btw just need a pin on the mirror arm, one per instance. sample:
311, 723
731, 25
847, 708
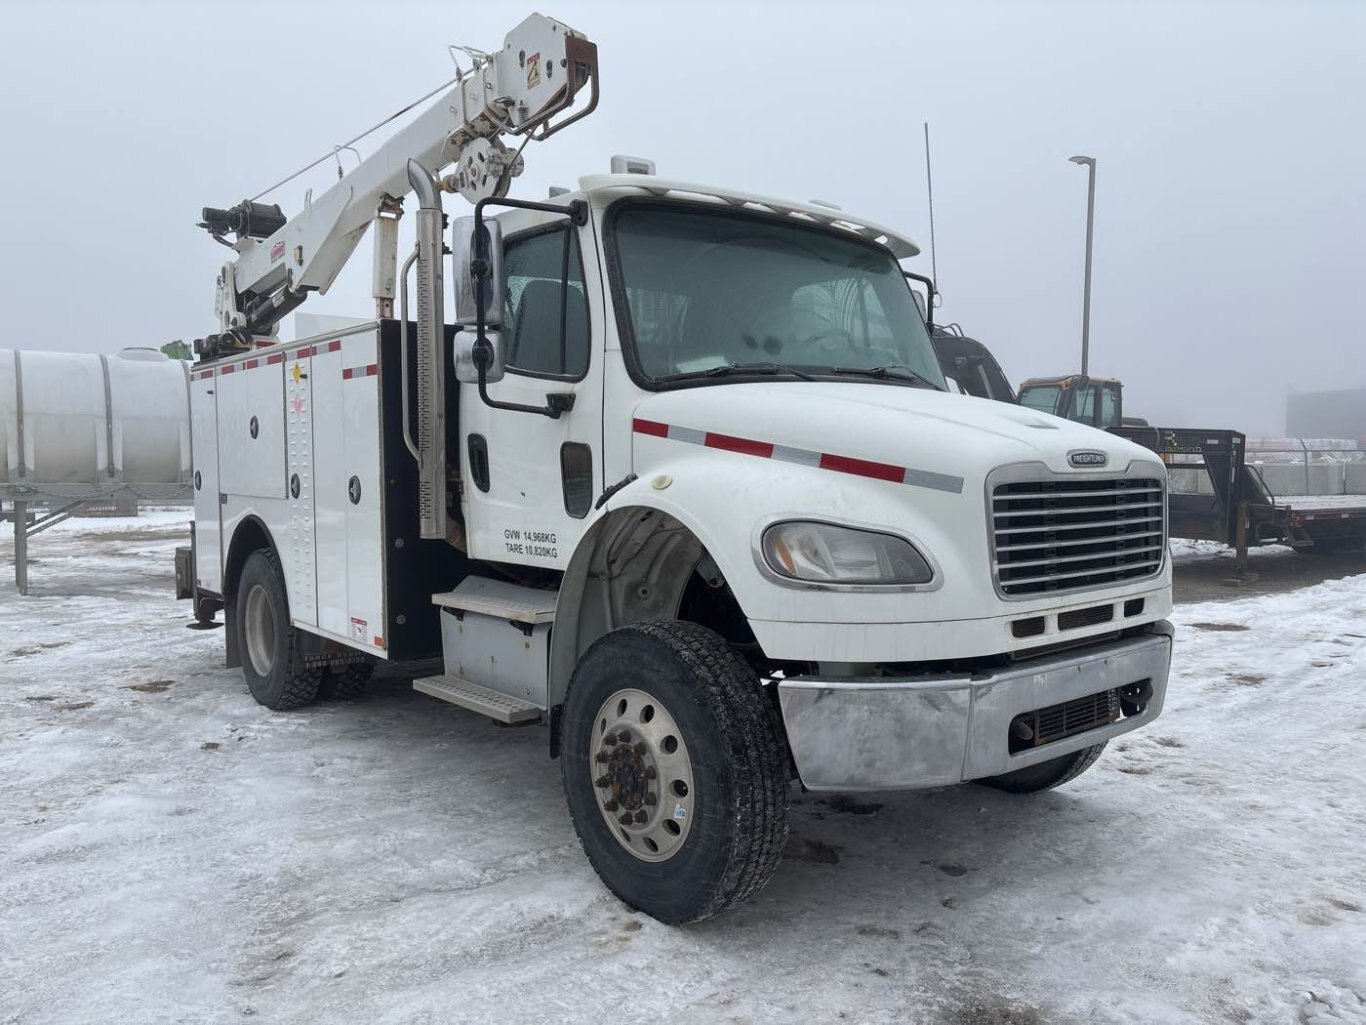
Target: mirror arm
556, 403
929, 298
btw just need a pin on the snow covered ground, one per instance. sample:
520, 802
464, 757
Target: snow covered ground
172, 852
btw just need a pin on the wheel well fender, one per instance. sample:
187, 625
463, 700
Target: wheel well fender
633, 564
251, 535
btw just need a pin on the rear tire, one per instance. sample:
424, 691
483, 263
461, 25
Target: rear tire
702, 771
1045, 775
271, 658
345, 682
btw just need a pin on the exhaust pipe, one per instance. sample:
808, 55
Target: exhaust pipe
431, 347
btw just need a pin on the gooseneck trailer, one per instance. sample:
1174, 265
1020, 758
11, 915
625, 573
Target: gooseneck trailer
679, 478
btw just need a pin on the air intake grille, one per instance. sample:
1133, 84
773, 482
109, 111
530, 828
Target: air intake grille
1067, 535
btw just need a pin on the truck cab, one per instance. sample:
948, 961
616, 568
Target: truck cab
1097, 402
1094, 401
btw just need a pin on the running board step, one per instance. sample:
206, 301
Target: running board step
502, 707
501, 600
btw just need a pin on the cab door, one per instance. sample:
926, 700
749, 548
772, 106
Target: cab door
529, 481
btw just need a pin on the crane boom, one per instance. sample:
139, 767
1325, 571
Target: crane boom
520, 90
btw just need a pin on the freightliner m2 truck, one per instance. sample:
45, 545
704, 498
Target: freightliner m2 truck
678, 477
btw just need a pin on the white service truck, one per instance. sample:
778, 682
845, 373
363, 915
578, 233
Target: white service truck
680, 479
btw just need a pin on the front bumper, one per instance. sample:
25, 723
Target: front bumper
882, 733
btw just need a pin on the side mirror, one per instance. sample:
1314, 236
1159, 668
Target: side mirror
466, 369
466, 249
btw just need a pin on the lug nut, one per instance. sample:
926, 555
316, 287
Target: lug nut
602, 782
650, 772
624, 737
641, 816
651, 799
626, 818
611, 805
610, 740
601, 757
640, 748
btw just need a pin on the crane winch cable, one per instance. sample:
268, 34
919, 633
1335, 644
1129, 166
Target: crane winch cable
350, 142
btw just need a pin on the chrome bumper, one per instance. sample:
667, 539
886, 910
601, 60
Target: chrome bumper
882, 733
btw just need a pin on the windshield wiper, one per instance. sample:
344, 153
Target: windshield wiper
890, 370
760, 367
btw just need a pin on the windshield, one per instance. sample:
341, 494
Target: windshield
1043, 397
710, 290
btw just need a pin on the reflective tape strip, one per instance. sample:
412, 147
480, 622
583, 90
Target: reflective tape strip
368, 371
802, 457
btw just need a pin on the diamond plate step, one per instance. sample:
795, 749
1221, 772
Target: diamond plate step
495, 705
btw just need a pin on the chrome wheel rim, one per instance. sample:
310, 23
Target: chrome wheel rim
641, 775
260, 630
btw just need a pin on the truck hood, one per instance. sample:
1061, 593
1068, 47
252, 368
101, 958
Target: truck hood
932, 432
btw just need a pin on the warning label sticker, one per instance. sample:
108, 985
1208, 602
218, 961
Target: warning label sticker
359, 629
533, 71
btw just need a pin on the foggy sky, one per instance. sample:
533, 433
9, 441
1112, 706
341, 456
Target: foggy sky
1230, 250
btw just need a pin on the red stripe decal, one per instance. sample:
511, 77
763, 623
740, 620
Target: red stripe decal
278, 357
762, 449
229, 368
331, 346
650, 427
766, 449
251, 364
369, 371
862, 468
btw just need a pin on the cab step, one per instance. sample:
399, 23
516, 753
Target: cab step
502, 707
500, 600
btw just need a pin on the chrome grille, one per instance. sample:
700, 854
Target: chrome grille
1063, 534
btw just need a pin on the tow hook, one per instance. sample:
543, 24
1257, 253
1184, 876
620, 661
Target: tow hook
1134, 698
1021, 730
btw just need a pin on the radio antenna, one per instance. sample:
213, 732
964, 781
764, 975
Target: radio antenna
929, 188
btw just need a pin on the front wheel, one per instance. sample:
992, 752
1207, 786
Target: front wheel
675, 770
1046, 775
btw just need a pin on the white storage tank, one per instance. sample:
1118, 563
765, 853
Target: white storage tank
71, 419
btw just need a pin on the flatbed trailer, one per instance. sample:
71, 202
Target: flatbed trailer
1242, 511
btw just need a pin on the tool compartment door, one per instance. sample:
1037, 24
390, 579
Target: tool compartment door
251, 426
208, 520
348, 494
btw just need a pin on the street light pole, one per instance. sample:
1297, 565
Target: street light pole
1090, 163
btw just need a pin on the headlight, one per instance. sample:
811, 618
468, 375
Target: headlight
825, 553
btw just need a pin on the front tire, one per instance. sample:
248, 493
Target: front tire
1046, 775
271, 659
667, 727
